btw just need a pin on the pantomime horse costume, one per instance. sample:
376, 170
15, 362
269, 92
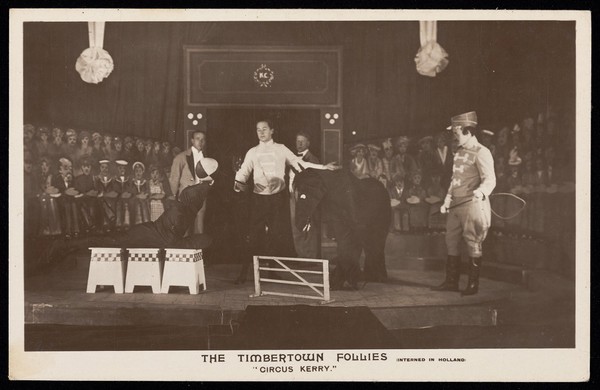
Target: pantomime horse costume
358, 211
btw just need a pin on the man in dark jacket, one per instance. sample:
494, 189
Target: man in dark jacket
306, 244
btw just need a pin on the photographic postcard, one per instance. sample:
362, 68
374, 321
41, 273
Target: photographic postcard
219, 46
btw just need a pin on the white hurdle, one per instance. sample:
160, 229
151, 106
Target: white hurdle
323, 295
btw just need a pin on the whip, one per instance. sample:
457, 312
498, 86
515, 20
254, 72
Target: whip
522, 201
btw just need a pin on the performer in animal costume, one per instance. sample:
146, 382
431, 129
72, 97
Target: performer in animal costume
359, 214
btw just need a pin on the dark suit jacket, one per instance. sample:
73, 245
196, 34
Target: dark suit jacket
84, 183
58, 182
310, 157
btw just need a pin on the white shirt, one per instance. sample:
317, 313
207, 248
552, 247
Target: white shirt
197, 156
267, 162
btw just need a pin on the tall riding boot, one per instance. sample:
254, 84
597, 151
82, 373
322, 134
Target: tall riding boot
452, 275
474, 268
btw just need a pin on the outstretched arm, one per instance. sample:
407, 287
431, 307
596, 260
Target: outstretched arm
298, 164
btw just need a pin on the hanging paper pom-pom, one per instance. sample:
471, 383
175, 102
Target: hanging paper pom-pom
94, 65
431, 59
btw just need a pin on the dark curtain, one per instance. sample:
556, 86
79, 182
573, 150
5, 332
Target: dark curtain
504, 70
142, 96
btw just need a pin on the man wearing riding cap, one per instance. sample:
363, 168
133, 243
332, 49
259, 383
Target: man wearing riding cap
467, 202
166, 232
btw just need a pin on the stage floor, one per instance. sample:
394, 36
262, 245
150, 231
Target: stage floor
537, 311
404, 301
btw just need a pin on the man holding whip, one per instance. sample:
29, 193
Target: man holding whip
467, 202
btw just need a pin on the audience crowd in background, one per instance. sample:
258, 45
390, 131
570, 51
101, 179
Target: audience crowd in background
531, 160
80, 182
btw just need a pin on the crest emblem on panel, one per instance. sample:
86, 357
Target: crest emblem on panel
264, 76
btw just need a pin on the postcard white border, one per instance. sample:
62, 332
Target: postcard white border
479, 365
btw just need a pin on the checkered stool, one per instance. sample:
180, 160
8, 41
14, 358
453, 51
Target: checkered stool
143, 269
107, 268
183, 267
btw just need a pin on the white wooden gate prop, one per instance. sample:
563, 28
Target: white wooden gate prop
321, 289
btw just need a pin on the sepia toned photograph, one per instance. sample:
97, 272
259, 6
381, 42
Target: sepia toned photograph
277, 195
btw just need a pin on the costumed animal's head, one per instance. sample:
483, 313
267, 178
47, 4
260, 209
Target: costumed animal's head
317, 186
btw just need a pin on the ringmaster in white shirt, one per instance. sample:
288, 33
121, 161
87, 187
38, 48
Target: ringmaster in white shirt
267, 162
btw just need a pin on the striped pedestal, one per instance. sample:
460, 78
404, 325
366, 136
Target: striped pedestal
143, 269
183, 267
107, 268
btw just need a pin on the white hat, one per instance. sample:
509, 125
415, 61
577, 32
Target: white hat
402, 140
206, 167
103, 162
65, 161
138, 163
122, 162
356, 148
466, 119
488, 132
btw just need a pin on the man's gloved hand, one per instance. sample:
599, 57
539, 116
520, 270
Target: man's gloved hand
478, 195
444, 208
